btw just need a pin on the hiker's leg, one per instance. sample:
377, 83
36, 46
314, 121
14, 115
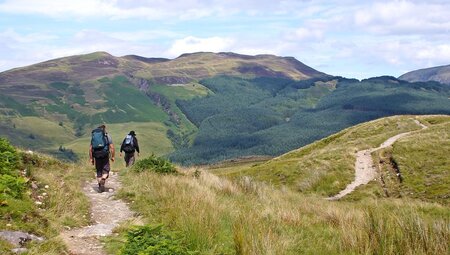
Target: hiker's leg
127, 159
131, 161
102, 167
99, 169
106, 169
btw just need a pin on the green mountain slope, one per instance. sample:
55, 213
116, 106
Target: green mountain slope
440, 74
267, 116
327, 166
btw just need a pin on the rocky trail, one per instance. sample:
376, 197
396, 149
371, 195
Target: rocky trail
106, 214
365, 170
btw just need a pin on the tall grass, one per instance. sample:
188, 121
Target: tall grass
379, 231
220, 216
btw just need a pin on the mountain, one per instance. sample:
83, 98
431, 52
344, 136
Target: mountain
79, 92
440, 74
198, 108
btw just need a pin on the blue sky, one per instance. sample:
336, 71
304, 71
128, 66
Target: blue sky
351, 38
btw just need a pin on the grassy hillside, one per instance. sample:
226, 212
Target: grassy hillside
267, 116
213, 215
325, 167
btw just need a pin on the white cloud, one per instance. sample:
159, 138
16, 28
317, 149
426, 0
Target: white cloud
194, 44
124, 9
306, 34
403, 17
14, 38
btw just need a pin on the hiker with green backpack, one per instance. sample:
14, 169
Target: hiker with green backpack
129, 146
100, 150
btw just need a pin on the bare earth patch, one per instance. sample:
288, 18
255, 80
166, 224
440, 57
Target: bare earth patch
365, 170
106, 214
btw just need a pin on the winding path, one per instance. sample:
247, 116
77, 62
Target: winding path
364, 167
106, 212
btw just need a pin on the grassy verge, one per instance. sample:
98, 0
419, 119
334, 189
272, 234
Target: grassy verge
50, 201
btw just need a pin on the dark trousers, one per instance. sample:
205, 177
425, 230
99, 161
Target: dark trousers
129, 159
102, 166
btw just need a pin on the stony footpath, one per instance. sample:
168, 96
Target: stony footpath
365, 170
106, 214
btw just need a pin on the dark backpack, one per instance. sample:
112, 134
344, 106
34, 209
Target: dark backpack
128, 142
99, 142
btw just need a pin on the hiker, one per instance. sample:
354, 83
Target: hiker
100, 150
129, 146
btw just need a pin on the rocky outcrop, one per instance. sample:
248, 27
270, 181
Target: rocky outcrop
19, 239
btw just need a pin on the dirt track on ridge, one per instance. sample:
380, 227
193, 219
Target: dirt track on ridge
106, 214
365, 170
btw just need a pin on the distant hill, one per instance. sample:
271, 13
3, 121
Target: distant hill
267, 116
440, 74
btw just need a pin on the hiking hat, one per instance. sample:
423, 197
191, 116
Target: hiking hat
132, 133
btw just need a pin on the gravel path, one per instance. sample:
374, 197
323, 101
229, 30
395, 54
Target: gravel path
106, 214
365, 170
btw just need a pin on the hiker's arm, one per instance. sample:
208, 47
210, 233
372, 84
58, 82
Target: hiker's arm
136, 144
90, 154
113, 152
121, 146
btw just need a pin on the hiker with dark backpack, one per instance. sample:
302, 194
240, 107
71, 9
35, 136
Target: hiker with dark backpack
129, 146
100, 150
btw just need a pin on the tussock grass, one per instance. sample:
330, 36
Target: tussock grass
242, 216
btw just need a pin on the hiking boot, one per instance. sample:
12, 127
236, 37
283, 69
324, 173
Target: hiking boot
101, 185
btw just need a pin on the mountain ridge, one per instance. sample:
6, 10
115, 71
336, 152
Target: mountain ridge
438, 73
145, 67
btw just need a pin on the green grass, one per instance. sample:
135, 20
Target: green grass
50, 130
184, 92
126, 103
424, 163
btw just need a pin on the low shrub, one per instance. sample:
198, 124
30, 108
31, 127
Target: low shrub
8, 157
12, 185
154, 240
155, 164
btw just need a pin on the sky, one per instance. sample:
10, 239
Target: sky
350, 38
